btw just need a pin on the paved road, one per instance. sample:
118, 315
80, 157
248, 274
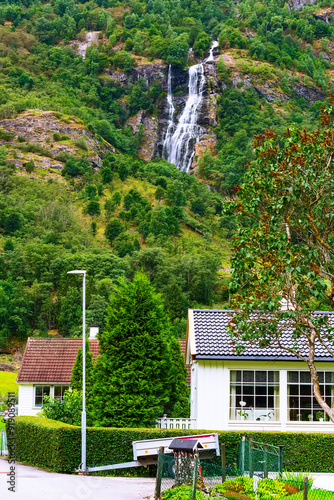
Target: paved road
37, 484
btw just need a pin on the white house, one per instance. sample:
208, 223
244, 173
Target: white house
46, 370
259, 389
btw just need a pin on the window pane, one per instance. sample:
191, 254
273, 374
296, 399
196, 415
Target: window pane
305, 403
321, 377
261, 377
261, 402
294, 389
306, 390
248, 376
261, 390
305, 378
293, 376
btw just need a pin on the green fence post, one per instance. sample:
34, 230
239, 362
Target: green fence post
305, 488
195, 478
265, 468
159, 474
223, 463
280, 459
250, 458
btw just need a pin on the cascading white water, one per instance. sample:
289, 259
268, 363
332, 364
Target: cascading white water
212, 48
171, 110
178, 146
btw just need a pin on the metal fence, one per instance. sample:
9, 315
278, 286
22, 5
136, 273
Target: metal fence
259, 458
197, 474
198, 480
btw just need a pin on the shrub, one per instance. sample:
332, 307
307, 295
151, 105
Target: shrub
60, 444
114, 228
93, 208
60, 137
81, 144
30, 166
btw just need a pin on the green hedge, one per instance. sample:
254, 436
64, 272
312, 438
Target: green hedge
57, 446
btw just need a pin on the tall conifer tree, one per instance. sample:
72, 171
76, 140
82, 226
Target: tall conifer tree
132, 380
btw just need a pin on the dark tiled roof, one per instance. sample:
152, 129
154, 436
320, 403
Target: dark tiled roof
51, 360
213, 341
183, 344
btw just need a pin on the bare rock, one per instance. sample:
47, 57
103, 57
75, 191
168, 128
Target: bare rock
207, 142
299, 4
37, 126
270, 94
310, 94
149, 143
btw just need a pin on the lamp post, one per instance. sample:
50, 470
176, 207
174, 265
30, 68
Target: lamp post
83, 414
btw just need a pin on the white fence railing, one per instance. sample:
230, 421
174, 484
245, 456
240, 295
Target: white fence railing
176, 423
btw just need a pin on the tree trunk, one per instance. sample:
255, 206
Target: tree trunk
317, 392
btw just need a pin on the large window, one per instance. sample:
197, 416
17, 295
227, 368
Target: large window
302, 404
254, 395
40, 392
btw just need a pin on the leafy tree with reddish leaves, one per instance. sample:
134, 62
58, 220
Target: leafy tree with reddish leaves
284, 248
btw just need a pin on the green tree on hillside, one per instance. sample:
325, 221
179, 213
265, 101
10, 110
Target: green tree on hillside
132, 379
284, 246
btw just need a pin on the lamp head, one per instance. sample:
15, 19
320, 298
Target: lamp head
76, 272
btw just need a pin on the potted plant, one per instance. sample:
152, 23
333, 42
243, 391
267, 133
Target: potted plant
241, 412
310, 417
319, 416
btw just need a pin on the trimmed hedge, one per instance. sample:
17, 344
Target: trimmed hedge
56, 446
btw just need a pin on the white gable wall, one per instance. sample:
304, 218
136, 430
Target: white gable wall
27, 401
210, 396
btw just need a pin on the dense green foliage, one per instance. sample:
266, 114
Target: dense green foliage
67, 410
155, 224
134, 376
60, 446
42, 239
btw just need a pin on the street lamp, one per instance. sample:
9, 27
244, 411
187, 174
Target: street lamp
83, 414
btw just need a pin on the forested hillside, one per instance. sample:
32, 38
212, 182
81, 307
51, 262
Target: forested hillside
87, 93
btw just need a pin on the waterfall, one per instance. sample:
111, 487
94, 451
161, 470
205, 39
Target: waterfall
171, 109
180, 138
212, 48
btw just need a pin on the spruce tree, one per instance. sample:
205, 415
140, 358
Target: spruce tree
132, 380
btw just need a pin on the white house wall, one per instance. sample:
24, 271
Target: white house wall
26, 401
210, 396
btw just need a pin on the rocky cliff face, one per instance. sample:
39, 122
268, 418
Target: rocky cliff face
299, 4
51, 135
156, 125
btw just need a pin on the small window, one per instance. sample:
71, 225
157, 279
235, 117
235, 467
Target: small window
301, 401
59, 391
40, 393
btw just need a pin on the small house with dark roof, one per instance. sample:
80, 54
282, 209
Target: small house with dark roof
257, 389
46, 370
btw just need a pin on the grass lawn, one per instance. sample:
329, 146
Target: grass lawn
2, 425
8, 383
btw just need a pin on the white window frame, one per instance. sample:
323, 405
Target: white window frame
314, 407
51, 393
250, 413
